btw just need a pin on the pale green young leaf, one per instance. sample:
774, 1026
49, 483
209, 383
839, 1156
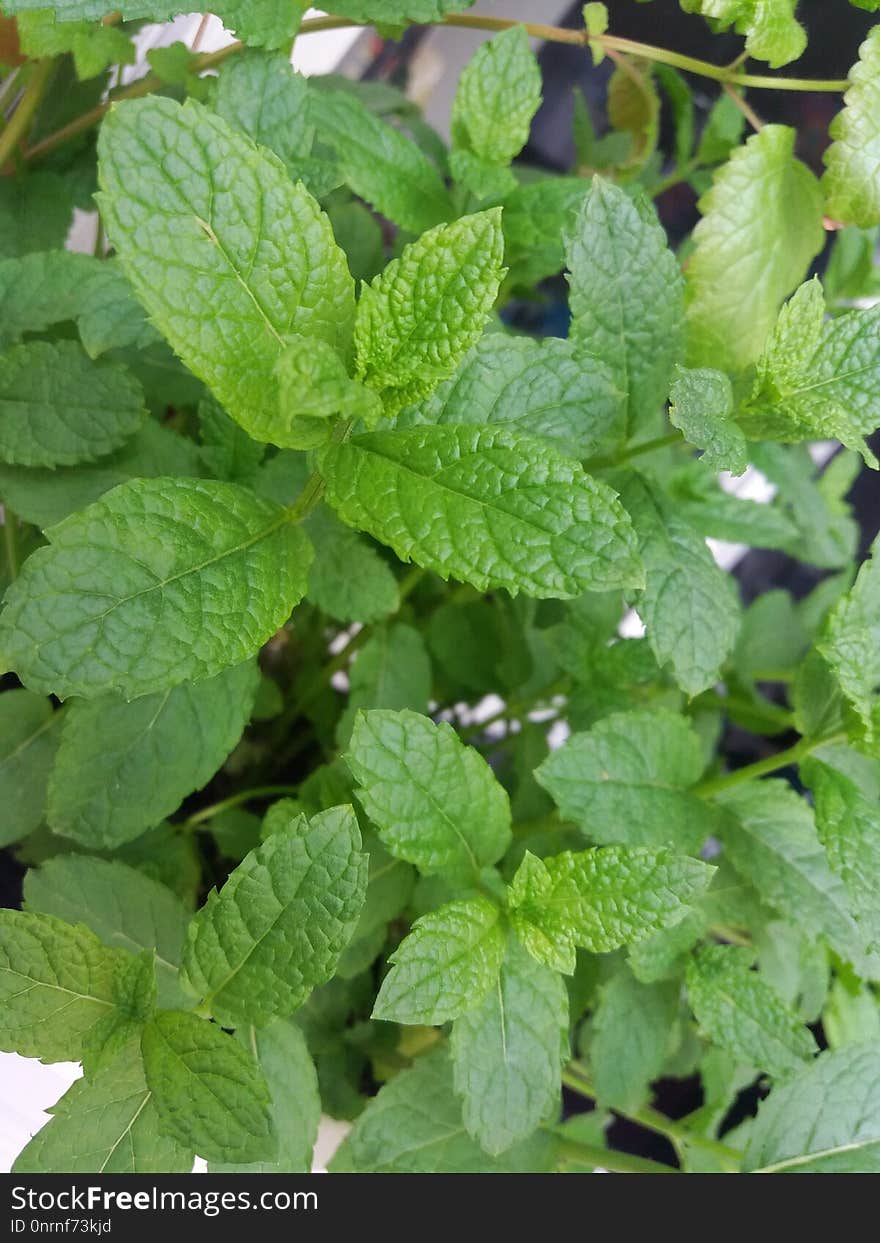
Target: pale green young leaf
547, 388
124, 907
849, 828
392, 670
632, 1031
485, 505
626, 781
824, 1121
689, 605
772, 841
106, 1124
508, 1053
380, 163
348, 579
93, 47
852, 189
415, 1126
57, 407
851, 1015
434, 801
227, 270
123, 767
46, 496
276, 929
209, 1092
737, 1009
283, 1057
739, 273
445, 966
313, 386
662, 955
422, 314
57, 982
626, 297
220, 566
817, 380
600, 899
850, 641
701, 405
29, 735
498, 93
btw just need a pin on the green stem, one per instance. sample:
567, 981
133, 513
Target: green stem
235, 800
666, 441
575, 1078
19, 122
10, 542
472, 21
782, 759
593, 1156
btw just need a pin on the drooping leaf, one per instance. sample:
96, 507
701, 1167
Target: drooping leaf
632, 1028
851, 185
209, 1092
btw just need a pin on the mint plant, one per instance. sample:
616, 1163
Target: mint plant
288, 495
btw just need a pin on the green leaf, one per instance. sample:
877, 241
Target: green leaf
123, 907
263, 23
106, 1124
817, 380
445, 966
851, 184
261, 94
29, 737
739, 274
626, 780
348, 580
420, 316
275, 930
47, 496
45, 288
538, 215
849, 828
626, 297
123, 767
392, 670
220, 566
739, 1010
313, 386
547, 388
57, 407
689, 605
498, 93
508, 1053
825, 1121
209, 1092
35, 213
414, 1126
227, 449
632, 1029
850, 642
227, 270
772, 841
600, 899
57, 983
380, 163
701, 405
484, 505
434, 801
94, 47
283, 1057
